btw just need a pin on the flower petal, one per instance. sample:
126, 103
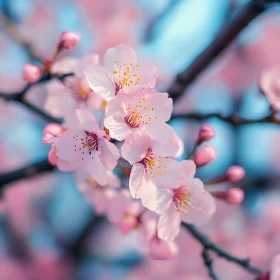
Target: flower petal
155, 199
118, 129
100, 81
169, 174
161, 249
87, 120
135, 148
97, 170
65, 146
109, 153
122, 54
203, 205
169, 224
136, 180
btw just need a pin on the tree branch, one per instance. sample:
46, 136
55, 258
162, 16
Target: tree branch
234, 119
7, 22
209, 245
223, 39
208, 262
19, 96
24, 172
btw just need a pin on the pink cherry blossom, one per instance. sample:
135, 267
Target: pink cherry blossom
147, 112
152, 164
99, 196
74, 93
189, 203
269, 82
124, 212
121, 73
87, 147
158, 249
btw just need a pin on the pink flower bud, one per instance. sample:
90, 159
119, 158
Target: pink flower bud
231, 196
51, 131
31, 73
234, 196
206, 133
68, 40
205, 155
235, 173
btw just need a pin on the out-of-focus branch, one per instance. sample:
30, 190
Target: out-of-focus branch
25, 172
209, 245
150, 29
234, 119
19, 97
223, 39
8, 25
208, 262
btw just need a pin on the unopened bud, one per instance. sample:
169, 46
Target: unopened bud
31, 73
51, 131
68, 40
231, 196
205, 155
235, 173
206, 133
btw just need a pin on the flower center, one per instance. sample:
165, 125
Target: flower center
182, 200
149, 160
133, 119
125, 75
80, 89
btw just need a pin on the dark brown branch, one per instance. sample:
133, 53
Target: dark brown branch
234, 119
223, 39
19, 97
209, 245
25, 172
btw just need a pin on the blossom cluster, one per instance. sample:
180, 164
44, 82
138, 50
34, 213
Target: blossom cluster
114, 117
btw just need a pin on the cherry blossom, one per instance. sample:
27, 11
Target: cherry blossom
122, 73
74, 92
98, 196
157, 248
87, 147
125, 212
147, 112
152, 164
189, 203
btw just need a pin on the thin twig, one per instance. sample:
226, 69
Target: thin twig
233, 119
223, 39
208, 262
209, 245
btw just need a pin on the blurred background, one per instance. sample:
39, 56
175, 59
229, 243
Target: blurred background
46, 217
